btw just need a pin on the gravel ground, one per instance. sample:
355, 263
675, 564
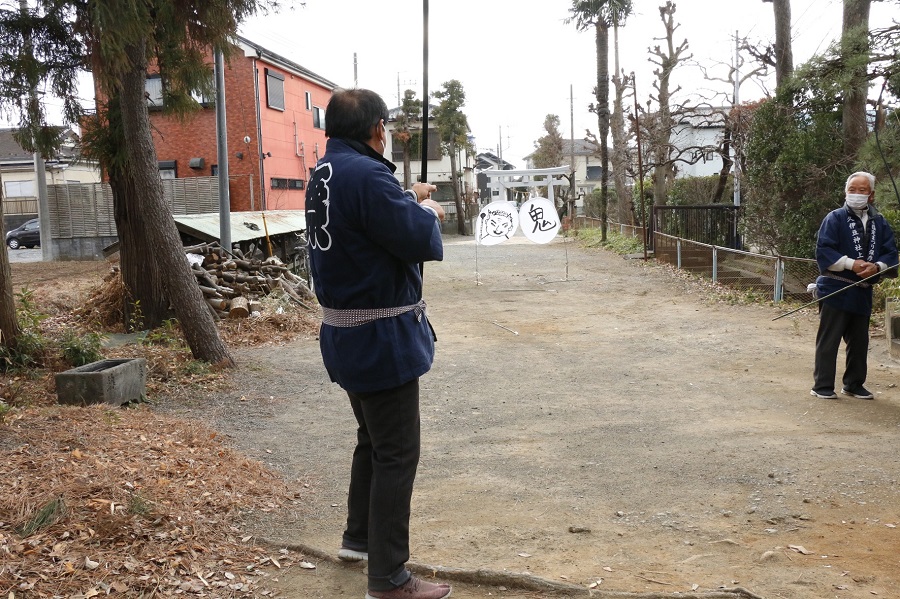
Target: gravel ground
577, 391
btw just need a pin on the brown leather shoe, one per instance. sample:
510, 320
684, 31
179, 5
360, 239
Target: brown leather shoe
414, 588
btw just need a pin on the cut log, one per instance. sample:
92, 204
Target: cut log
218, 303
240, 308
209, 291
292, 293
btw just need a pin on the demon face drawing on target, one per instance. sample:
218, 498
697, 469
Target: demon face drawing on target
317, 205
497, 222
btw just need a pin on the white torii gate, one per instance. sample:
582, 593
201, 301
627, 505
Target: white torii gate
502, 222
501, 180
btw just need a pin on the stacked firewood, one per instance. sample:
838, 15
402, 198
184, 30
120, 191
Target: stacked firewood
233, 285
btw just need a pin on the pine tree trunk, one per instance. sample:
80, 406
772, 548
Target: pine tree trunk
157, 231
9, 326
407, 176
854, 46
145, 304
454, 177
784, 56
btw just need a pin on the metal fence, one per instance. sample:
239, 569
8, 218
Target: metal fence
589, 222
714, 224
775, 277
20, 206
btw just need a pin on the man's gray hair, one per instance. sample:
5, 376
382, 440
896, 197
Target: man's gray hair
868, 176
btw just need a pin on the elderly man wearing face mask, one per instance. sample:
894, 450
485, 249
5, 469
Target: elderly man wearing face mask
854, 242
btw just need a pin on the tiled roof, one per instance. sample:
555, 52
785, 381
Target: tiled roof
11, 151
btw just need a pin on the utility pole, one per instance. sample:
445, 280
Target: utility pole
40, 172
737, 161
222, 150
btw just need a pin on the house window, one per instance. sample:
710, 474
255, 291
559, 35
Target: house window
295, 183
214, 170
278, 183
415, 146
168, 169
318, 117
274, 90
19, 189
594, 173
202, 99
308, 101
154, 92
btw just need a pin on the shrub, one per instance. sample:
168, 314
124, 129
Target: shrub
79, 350
30, 348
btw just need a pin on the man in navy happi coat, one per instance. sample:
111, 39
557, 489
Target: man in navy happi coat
854, 243
367, 239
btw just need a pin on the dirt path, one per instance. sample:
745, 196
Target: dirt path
679, 434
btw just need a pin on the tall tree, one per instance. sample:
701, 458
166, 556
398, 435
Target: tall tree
453, 128
120, 40
550, 150
410, 112
855, 57
784, 55
620, 153
600, 15
662, 124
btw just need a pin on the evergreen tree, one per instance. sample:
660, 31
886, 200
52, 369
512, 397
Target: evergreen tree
119, 41
601, 15
410, 112
453, 128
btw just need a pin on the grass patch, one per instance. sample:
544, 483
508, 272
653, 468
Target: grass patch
615, 242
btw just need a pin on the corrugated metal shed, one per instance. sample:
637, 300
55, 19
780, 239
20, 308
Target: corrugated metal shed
244, 225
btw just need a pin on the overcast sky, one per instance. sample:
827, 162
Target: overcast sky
517, 59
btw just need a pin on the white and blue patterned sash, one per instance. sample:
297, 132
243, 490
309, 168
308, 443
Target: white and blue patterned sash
857, 240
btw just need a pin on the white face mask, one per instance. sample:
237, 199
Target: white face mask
857, 201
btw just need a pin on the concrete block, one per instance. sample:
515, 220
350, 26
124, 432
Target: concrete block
106, 381
892, 326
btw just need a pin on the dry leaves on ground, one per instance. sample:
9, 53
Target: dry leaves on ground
100, 501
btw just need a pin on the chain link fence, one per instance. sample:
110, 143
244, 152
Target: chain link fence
777, 278
588, 222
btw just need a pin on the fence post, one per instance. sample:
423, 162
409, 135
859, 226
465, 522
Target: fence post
715, 267
779, 280
678, 251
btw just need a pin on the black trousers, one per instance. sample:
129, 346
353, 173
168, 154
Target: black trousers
835, 325
381, 481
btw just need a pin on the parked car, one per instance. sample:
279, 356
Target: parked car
27, 235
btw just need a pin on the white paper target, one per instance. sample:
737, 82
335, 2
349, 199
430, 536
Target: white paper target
497, 222
539, 220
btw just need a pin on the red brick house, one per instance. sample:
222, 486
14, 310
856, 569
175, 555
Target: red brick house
275, 111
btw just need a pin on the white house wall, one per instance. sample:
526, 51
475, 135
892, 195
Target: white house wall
708, 163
